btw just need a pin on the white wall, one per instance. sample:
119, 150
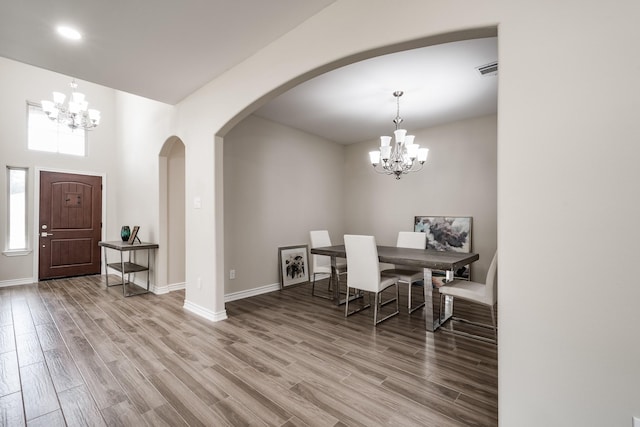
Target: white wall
568, 153
279, 183
20, 83
458, 179
567, 132
143, 126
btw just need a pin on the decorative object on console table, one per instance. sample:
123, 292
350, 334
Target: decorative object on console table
134, 235
125, 232
447, 233
294, 265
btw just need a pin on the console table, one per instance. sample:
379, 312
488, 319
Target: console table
128, 267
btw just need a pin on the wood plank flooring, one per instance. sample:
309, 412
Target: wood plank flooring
73, 352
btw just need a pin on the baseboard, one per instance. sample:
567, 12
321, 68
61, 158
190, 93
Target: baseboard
159, 290
251, 292
16, 282
205, 312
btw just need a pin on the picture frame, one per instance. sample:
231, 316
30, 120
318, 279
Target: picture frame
293, 264
134, 235
447, 233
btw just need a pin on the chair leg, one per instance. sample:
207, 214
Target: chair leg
313, 287
346, 304
495, 326
398, 296
377, 301
412, 309
383, 303
451, 330
375, 310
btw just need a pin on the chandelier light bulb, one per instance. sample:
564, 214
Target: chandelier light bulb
399, 134
423, 153
94, 116
59, 97
412, 151
47, 106
374, 156
385, 153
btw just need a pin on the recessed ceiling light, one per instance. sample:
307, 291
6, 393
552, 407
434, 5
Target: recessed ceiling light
69, 33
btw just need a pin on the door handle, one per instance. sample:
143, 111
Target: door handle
45, 234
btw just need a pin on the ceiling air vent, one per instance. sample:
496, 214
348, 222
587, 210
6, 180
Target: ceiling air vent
490, 69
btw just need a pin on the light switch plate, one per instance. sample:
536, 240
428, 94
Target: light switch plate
636, 421
197, 203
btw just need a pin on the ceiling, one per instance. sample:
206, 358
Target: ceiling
355, 103
160, 49
165, 50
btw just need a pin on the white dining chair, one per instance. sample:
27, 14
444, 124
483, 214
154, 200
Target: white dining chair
364, 274
405, 274
480, 293
322, 264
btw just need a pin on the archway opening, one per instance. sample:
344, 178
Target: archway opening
172, 258
286, 204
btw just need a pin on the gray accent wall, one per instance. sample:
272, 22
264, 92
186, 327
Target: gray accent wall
279, 183
458, 179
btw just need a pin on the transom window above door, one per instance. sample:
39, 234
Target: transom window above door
46, 135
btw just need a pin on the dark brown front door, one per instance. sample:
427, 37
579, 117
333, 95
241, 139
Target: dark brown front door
70, 224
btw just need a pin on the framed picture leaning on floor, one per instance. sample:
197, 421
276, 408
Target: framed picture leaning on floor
294, 265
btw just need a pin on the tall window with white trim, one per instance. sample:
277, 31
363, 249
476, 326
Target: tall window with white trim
17, 208
44, 134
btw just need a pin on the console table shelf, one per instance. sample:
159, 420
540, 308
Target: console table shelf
126, 268
129, 267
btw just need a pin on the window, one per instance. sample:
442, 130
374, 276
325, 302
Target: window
17, 207
47, 135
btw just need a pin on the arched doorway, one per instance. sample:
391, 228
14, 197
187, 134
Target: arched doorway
171, 265
340, 177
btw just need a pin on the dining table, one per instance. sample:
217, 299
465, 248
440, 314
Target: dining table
427, 259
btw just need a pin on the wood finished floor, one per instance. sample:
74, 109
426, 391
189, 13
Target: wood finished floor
74, 353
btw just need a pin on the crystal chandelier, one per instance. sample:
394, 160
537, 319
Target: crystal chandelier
404, 156
75, 114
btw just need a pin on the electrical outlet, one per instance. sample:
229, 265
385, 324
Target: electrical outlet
636, 421
232, 274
